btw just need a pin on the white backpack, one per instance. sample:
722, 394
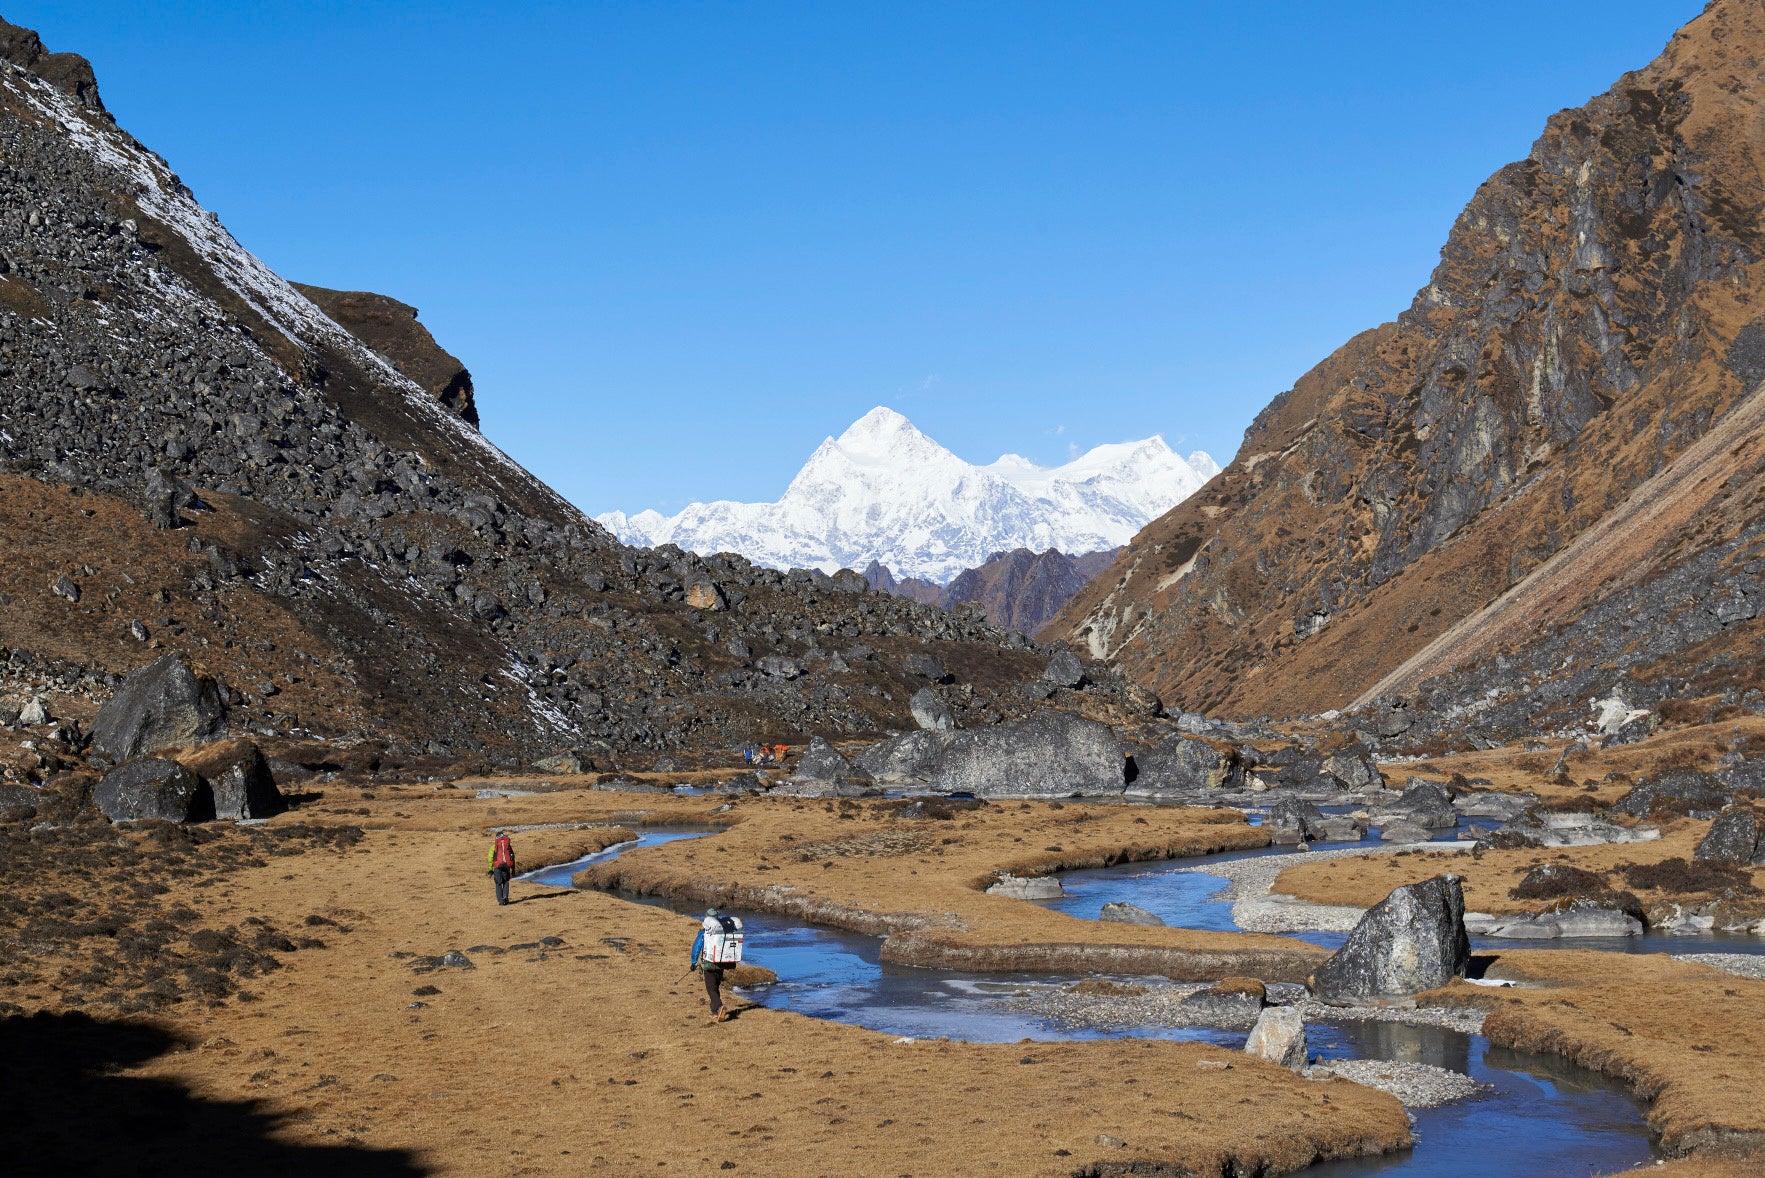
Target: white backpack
723, 940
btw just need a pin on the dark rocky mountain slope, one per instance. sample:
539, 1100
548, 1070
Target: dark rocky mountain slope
196, 457
1019, 590
1395, 515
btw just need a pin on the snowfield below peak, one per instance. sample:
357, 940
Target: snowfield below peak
884, 491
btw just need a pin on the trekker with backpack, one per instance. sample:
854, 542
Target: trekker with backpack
502, 865
718, 946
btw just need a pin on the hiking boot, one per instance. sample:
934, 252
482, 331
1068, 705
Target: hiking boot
721, 1016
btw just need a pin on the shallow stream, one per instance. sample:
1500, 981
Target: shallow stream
1543, 1117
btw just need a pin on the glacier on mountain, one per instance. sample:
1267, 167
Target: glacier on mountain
884, 491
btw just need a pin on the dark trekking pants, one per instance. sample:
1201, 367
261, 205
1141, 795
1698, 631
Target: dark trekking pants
714, 989
501, 876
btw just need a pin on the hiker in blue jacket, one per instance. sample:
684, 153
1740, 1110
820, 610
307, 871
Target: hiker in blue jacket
718, 945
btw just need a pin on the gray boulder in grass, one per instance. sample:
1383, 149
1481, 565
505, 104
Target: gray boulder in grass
1732, 838
238, 777
153, 788
162, 705
1412, 940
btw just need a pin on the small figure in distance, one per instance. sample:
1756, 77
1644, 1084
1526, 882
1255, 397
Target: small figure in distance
748, 752
502, 865
718, 946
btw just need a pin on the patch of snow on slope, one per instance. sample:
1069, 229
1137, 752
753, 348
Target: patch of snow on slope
885, 491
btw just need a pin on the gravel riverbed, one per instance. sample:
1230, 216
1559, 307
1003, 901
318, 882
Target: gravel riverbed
1746, 965
1256, 910
1418, 1085
1160, 1003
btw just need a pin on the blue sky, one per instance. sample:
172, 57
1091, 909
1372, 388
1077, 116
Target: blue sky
679, 243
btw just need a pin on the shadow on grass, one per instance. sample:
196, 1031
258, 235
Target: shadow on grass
68, 1110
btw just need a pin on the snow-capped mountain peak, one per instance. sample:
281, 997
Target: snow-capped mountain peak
885, 491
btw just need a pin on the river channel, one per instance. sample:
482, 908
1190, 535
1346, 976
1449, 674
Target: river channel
1541, 1118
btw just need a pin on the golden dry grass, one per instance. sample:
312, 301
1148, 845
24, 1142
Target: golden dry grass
597, 1054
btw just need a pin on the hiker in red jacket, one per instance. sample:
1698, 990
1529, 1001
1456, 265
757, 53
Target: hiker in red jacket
502, 865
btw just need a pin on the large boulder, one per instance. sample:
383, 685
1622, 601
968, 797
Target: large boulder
1053, 754
1122, 912
153, 787
1674, 793
907, 759
1279, 1037
1292, 821
1355, 769
238, 777
1412, 940
1182, 764
823, 772
162, 705
1733, 837
1580, 917
1064, 669
931, 712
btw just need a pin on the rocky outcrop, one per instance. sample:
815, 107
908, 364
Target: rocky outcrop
908, 759
162, 705
1018, 590
824, 772
1413, 940
391, 329
67, 72
1732, 838
1551, 459
1292, 821
1053, 754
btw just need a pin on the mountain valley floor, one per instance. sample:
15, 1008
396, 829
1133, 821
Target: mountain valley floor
281, 995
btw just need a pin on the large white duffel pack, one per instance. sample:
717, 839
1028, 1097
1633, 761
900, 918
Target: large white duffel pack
723, 940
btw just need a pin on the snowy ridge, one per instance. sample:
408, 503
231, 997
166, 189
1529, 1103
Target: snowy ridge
159, 194
884, 491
